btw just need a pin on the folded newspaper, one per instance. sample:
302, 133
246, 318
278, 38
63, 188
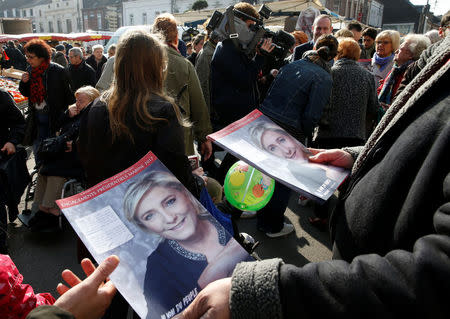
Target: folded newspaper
170, 247
261, 143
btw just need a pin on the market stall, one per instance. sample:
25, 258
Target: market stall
55, 37
9, 80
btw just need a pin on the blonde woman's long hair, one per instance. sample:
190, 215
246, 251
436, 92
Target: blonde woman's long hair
139, 70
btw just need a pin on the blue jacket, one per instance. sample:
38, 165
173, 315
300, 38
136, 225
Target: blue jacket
298, 95
234, 90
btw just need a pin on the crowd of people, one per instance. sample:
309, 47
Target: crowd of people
375, 103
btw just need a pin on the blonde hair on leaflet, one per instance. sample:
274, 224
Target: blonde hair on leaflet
139, 70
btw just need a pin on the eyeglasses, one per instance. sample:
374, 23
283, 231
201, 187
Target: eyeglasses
29, 57
383, 42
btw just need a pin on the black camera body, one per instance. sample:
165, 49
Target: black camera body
282, 42
219, 24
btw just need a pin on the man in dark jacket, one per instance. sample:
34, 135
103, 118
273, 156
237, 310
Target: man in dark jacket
17, 59
322, 25
390, 231
12, 125
234, 94
96, 61
60, 55
234, 90
80, 73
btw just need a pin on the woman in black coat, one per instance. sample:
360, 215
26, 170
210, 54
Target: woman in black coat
47, 87
134, 117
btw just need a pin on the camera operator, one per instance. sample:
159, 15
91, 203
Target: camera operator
234, 94
234, 91
271, 67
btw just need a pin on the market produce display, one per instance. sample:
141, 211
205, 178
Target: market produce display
12, 85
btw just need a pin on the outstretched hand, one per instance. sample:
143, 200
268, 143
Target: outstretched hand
211, 302
91, 297
336, 157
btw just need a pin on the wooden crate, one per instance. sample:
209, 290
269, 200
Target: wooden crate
12, 73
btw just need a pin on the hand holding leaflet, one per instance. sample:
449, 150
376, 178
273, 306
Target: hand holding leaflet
221, 265
170, 246
336, 157
261, 143
211, 302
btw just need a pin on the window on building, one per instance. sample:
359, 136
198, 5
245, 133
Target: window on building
336, 6
144, 18
69, 25
57, 5
50, 26
59, 25
24, 13
48, 6
40, 13
131, 19
31, 12
99, 21
157, 13
67, 4
41, 27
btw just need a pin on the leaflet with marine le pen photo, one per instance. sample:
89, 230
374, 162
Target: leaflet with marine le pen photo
261, 143
170, 247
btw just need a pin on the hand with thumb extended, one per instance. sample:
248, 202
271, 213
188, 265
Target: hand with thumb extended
91, 297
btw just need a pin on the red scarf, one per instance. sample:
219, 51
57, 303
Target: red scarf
37, 89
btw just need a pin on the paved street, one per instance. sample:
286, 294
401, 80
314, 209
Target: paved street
41, 257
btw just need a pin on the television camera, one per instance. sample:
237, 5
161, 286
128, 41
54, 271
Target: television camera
231, 25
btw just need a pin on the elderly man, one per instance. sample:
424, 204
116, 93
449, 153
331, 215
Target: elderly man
322, 25
183, 85
417, 66
96, 60
80, 73
408, 52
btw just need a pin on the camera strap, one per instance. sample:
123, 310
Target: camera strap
232, 28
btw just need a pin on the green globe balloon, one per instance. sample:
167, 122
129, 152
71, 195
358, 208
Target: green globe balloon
247, 188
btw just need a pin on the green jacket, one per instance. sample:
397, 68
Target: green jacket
183, 85
203, 68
